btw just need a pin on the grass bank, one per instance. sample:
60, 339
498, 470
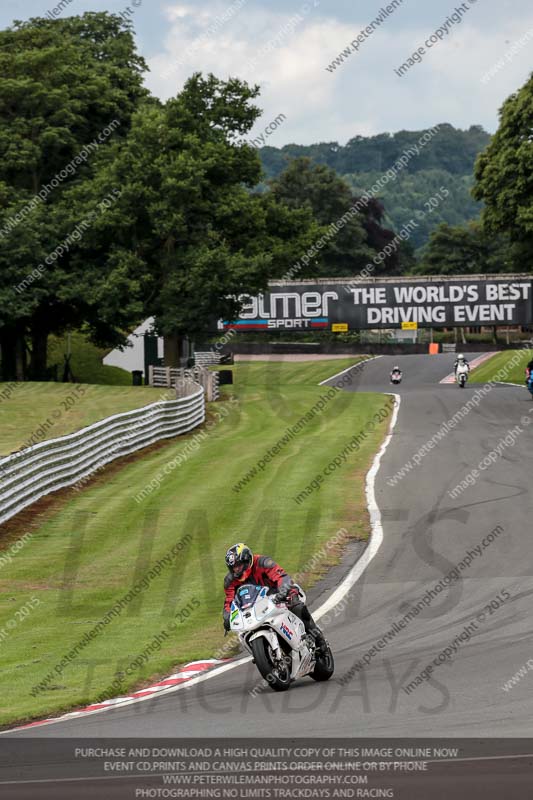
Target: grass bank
85, 362
501, 361
88, 550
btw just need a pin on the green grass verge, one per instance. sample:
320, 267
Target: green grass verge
289, 373
487, 371
88, 549
86, 361
33, 412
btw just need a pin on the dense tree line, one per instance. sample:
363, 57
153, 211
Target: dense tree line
445, 158
449, 149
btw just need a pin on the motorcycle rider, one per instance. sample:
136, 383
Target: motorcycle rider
529, 370
395, 373
245, 567
460, 360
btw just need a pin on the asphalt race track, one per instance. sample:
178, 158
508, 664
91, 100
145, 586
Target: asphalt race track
427, 534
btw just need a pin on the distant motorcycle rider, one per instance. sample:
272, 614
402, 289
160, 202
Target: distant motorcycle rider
245, 567
396, 373
461, 360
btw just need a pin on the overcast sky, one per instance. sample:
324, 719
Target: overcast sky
286, 45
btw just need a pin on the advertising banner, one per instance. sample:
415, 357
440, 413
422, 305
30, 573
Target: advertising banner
407, 304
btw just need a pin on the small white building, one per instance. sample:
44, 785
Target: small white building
132, 357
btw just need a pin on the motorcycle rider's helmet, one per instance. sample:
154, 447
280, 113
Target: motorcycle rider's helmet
396, 369
460, 357
239, 560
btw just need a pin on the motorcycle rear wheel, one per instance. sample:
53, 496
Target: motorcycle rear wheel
324, 667
278, 678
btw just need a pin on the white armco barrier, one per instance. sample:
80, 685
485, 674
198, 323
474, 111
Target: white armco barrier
35, 471
170, 376
206, 358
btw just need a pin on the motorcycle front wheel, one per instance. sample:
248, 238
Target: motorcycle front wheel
277, 675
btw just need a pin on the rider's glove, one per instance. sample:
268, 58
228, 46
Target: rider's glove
293, 595
286, 594
282, 594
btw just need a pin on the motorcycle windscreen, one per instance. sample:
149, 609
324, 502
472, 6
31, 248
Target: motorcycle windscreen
246, 595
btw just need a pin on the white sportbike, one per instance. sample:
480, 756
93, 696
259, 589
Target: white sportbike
461, 375
282, 651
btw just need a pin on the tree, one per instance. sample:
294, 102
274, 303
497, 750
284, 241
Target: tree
62, 83
408, 195
327, 197
504, 175
464, 251
187, 232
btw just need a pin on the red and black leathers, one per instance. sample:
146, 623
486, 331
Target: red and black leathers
263, 572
